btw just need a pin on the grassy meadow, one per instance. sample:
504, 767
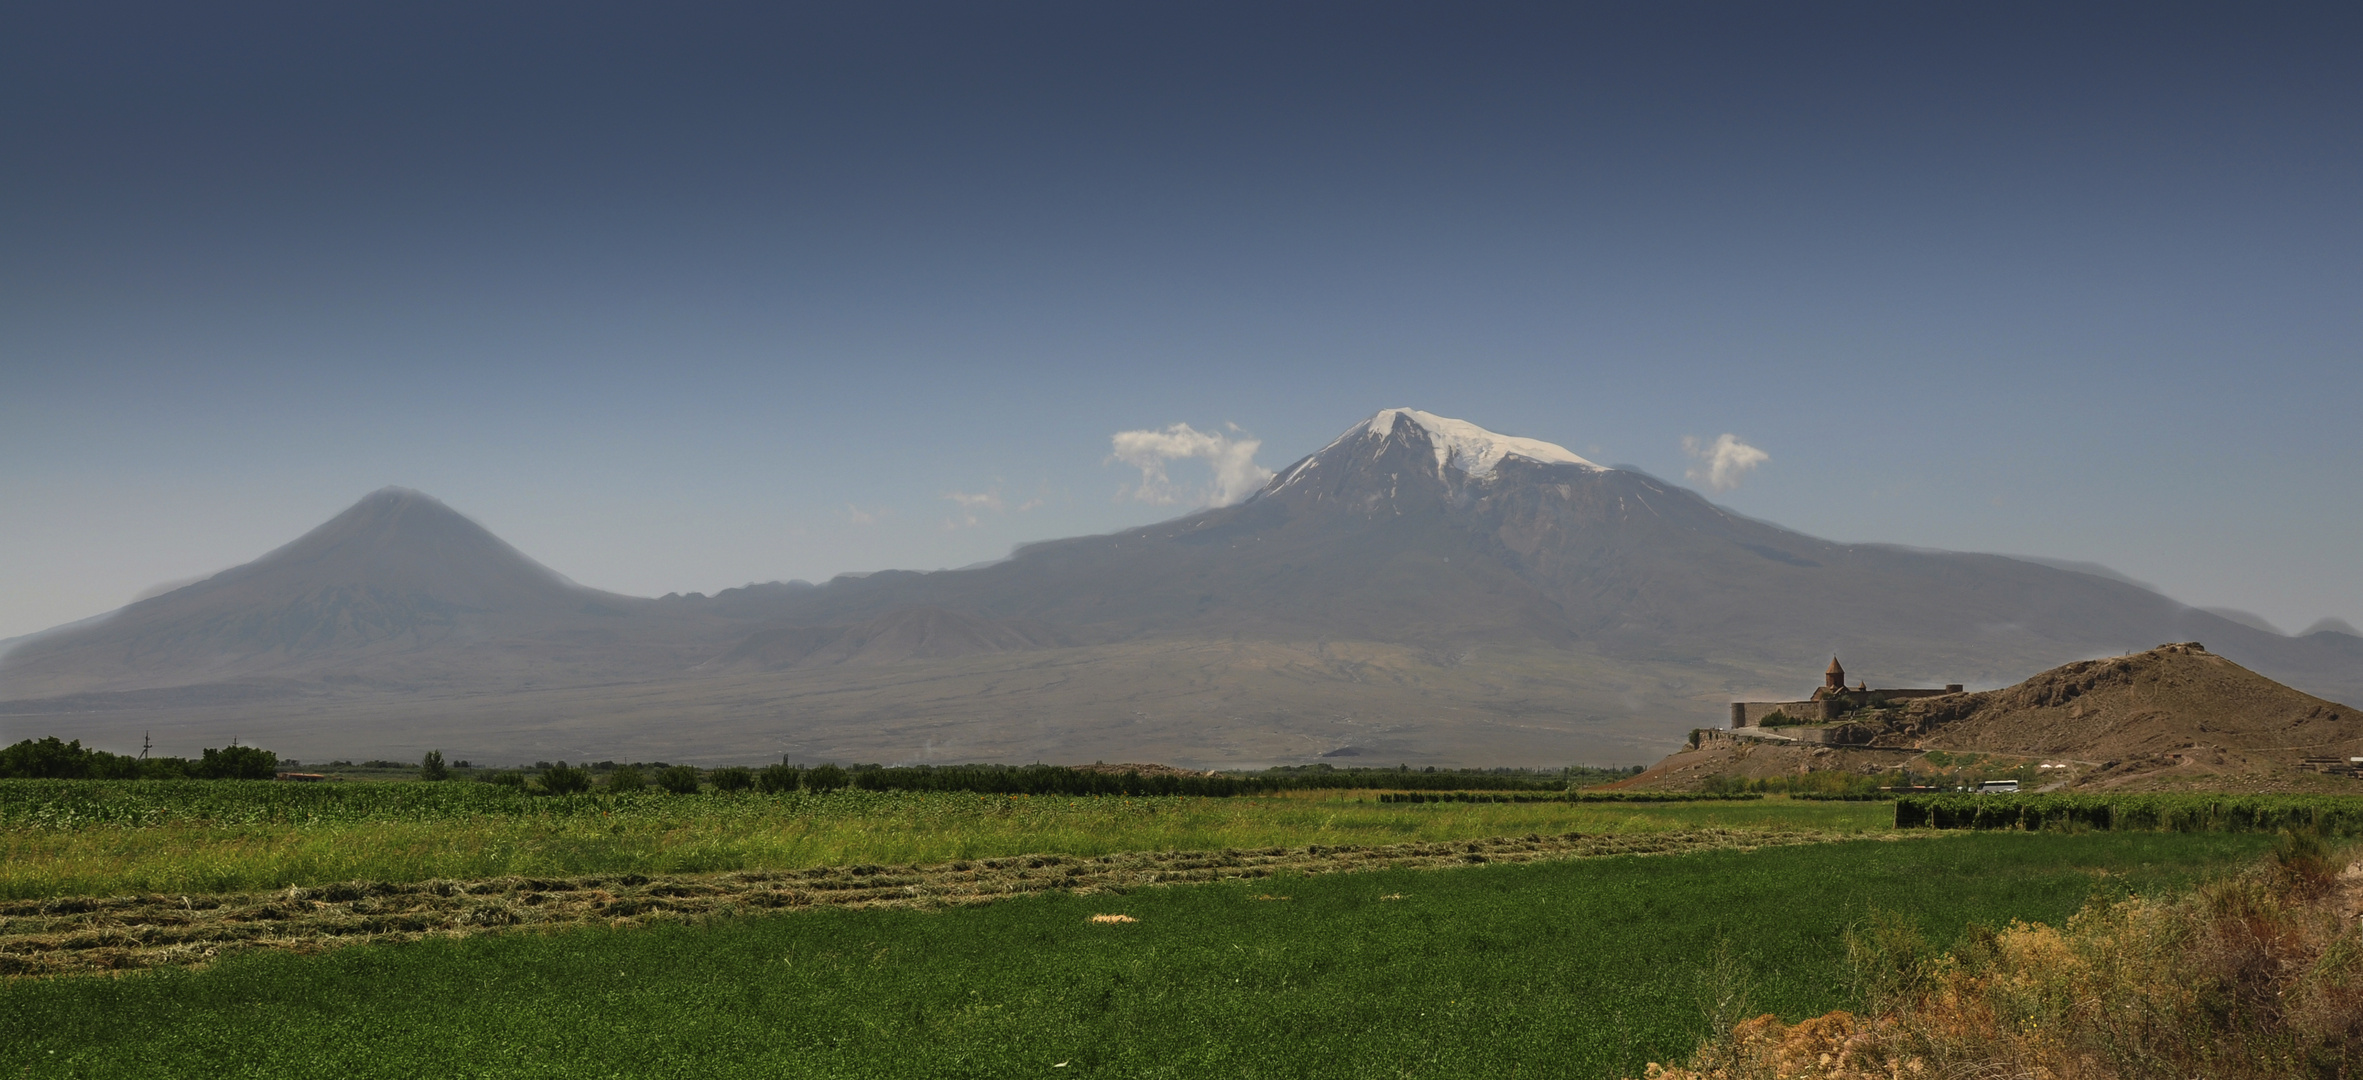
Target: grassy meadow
1584, 968
102, 838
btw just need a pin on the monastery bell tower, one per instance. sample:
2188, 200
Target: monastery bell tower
1835, 678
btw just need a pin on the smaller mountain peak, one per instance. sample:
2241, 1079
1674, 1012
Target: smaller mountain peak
402, 534
1467, 447
395, 507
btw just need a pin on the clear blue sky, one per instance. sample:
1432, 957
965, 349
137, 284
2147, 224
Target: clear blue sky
676, 300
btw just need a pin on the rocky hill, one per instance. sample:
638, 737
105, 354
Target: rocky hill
2174, 716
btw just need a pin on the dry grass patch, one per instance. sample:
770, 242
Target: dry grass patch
2257, 976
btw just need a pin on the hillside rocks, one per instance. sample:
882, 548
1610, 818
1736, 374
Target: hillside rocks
2176, 715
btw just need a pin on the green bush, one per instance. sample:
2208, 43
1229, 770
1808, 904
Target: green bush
626, 778
732, 778
2328, 815
562, 779
236, 762
825, 778
504, 777
779, 779
430, 767
678, 779
49, 759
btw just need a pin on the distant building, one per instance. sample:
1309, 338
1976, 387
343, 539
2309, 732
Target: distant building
1832, 700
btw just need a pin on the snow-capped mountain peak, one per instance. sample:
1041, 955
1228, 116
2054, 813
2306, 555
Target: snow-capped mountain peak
1459, 446
1465, 446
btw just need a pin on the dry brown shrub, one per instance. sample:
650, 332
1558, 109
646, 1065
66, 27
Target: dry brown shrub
1836, 1046
2253, 977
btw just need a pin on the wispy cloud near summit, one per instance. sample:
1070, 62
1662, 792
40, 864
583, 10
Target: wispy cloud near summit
1722, 464
1231, 455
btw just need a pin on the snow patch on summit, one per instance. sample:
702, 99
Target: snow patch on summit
1469, 448
1458, 444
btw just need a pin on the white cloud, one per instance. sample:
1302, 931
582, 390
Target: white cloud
973, 507
1231, 457
976, 505
1722, 463
857, 516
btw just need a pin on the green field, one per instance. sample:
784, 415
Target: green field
99, 838
1579, 967
1574, 968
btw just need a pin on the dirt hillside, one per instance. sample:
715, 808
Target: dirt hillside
2176, 716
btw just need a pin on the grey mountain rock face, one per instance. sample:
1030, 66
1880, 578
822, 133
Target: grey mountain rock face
1374, 538
398, 572
1604, 608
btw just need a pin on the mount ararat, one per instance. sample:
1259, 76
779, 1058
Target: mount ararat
1418, 590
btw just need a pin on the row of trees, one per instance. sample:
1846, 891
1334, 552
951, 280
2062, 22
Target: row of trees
1956, 772
49, 759
563, 779
1061, 780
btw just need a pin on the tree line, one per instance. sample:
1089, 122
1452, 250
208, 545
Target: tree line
1067, 780
49, 759
2158, 811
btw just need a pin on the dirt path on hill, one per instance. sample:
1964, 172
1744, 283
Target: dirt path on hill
90, 934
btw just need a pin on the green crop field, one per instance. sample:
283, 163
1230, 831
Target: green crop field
99, 838
1584, 968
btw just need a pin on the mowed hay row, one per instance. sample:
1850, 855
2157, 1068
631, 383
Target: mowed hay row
83, 934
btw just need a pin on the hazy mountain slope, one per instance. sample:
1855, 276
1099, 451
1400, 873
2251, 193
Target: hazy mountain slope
399, 587
1635, 607
897, 636
1381, 536
1190, 702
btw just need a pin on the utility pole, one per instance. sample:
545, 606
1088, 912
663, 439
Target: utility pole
144, 745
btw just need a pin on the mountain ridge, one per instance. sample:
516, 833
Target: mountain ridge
1607, 611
